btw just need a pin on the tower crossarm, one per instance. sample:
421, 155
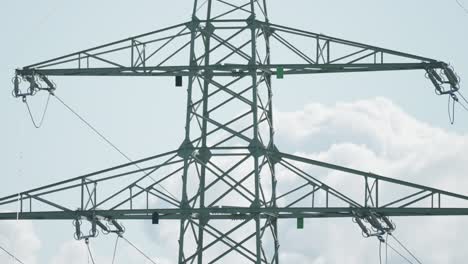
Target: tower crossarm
163, 53
228, 166
310, 197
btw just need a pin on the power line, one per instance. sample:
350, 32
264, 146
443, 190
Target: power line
108, 141
451, 107
407, 250
37, 124
115, 249
139, 250
380, 252
462, 6
451, 110
39, 26
386, 249
256, 145
204, 3
89, 250
401, 255
464, 106
11, 255
94, 129
464, 99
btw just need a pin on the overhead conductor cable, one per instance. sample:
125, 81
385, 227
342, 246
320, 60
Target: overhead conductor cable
108, 141
11, 255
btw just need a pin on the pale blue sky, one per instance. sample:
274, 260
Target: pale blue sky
145, 116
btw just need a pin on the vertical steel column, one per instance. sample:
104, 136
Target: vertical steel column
206, 85
253, 72
184, 200
274, 221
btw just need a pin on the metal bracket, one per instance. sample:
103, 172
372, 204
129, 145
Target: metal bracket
446, 76
373, 224
35, 81
107, 226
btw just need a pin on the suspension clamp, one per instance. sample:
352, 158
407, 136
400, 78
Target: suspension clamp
37, 82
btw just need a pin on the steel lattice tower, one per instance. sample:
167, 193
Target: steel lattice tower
230, 196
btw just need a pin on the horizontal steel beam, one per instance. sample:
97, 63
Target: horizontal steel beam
369, 175
231, 69
237, 213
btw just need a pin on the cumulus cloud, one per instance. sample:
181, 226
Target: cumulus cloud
72, 252
372, 135
20, 239
377, 123
376, 135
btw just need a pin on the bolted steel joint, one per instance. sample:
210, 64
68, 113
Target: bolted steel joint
252, 22
186, 149
194, 24
203, 155
273, 154
256, 148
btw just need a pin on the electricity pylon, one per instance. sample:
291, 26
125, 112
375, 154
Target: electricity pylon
228, 167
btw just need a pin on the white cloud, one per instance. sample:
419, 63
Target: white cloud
378, 123
20, 239
376, 135
371, 135
71, 252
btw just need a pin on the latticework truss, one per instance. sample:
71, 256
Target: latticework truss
228, 167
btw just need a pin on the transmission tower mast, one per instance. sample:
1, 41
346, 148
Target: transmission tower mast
228, 167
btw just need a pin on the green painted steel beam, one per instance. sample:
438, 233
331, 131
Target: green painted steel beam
237, 213
232, 70
248, 60
370, 175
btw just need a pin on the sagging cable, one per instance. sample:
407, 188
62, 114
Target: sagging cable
451, 109
137, 249
37, 124
105, 139
90, 254
406, 249
400, 254
462, 6
34, 86
11, 255
115, 248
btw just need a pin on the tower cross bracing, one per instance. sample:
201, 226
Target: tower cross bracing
227, 178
